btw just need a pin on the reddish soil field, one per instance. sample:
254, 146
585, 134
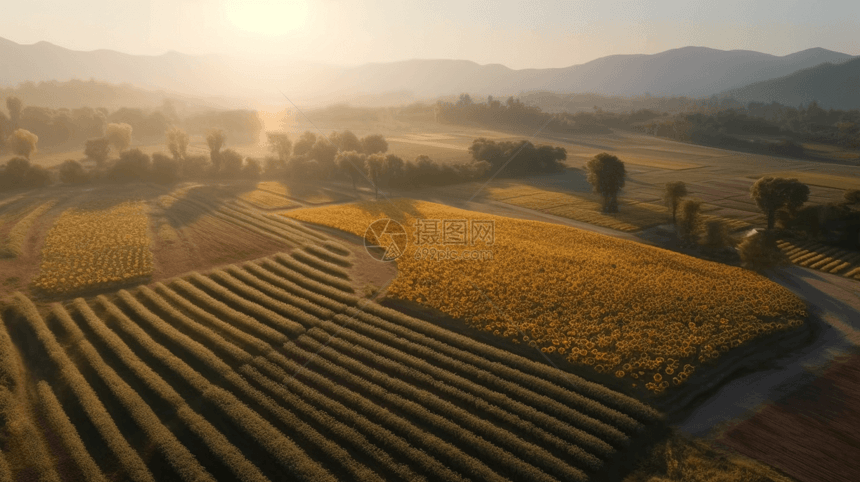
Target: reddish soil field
813, 434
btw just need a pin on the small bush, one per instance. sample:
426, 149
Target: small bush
716, 234
689, 220
759, 251
72, 172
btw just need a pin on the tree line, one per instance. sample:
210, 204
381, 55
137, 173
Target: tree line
781, 200
714, 122
311, 157
60, 127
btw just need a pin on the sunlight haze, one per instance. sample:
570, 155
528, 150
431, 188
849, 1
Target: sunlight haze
518, 35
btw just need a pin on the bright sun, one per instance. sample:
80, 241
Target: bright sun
267, 17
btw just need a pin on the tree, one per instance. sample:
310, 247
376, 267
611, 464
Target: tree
215, 140
15, 106
374, 165
393, 170
772, 193
165, 170
97, 149
253, 169
274, 167
194, 167
716, 234
606, 174
345, 141
690, 219
231, 163
324, 153
759, 251
374, 144
133, 165
672, 195
23, 143
177, 142
280, 145
14, 173
851, 196
72, 172
37, 176
118, 135
349, 163
305, 143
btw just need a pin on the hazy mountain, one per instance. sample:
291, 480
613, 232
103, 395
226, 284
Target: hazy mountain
690, 71
833, 86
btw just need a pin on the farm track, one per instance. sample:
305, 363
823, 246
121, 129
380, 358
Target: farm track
273, 369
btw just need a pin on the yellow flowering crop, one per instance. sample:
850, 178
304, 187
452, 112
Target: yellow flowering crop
93, 248
623, 308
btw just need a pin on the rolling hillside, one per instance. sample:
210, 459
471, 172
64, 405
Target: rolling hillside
689, 71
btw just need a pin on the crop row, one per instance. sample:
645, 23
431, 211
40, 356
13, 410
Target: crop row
307, 402
825, 258
68, 372
252, 227
267, 200
283, 450
233, 283
441, 366
13, 245
527, 373
213, 363
61, 425
212, 438
313, 273
368, 381
329, 255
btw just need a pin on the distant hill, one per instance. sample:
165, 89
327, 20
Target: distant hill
689, 71
833, 86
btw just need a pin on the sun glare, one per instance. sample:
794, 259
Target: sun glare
267, 17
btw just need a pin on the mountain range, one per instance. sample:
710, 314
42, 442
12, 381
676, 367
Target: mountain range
688, 71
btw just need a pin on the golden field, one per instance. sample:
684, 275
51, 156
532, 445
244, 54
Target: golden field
91, 247
641, 313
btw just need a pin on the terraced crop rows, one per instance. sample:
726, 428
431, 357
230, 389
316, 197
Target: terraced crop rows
12, 245
313, 196
266, 200
825, 258
592, 306
275, 370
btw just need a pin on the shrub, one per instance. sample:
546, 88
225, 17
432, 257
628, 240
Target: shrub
72, 172
165, 170
133, 166
97, 149
716, 234
22, 142
759, 251
690, 221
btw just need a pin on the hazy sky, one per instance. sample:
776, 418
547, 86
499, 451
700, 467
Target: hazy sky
516, 34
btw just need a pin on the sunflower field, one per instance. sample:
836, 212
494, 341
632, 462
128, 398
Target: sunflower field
94, 247
637, 312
